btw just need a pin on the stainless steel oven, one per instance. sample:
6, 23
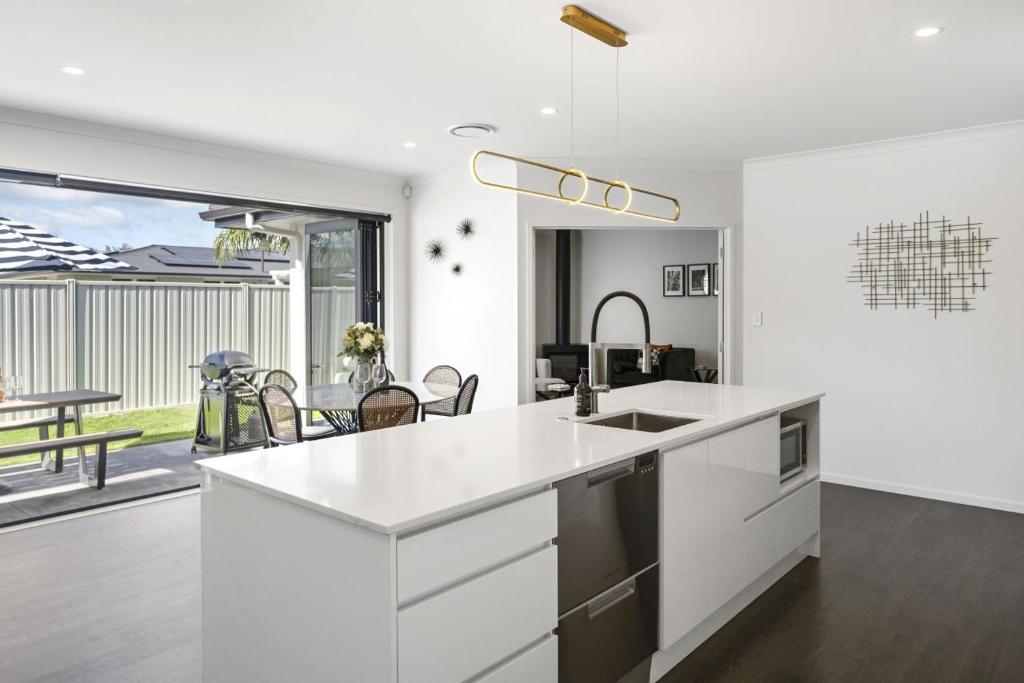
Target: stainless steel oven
792, 447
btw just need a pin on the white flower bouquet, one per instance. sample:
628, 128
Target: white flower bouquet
362, 341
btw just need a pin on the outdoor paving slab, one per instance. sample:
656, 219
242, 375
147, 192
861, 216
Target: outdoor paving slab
31, 492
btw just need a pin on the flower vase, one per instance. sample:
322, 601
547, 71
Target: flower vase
362, 377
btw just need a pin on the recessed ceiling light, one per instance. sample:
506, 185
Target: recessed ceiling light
472, 130
410, 145
928, 31
73, 70
548, 111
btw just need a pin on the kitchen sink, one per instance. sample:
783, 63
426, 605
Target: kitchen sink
640, 421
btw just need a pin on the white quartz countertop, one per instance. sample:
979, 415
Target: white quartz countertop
396, 480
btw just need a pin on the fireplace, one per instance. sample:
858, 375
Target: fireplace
567, 359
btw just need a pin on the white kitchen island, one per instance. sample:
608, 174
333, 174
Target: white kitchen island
427, 552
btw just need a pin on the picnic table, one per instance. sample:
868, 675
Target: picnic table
62, 402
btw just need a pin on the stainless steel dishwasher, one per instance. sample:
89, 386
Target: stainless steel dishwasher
608, 571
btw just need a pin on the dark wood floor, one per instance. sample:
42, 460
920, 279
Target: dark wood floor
907, 589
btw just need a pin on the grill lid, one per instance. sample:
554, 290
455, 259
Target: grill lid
221, 364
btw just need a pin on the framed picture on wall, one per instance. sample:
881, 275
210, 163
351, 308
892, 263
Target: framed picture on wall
714, 279
698, 279
672, 280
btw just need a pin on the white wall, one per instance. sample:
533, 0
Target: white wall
38, 142
711, 195
467, 321
915, 405
607, 260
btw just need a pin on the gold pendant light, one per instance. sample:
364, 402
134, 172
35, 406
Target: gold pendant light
579, 19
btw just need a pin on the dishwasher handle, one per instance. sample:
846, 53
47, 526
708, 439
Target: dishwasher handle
602, 604
610, 473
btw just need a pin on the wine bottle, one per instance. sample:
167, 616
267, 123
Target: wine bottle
582, 395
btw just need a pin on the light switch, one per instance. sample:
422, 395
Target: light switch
757, 319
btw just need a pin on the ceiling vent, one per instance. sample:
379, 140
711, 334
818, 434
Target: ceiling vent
472, 130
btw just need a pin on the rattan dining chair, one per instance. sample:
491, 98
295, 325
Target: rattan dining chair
281, 378
387, 406
442, 374
284, 421
467, 392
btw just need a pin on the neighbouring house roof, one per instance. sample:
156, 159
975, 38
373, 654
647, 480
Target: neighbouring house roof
177, 260
26, 249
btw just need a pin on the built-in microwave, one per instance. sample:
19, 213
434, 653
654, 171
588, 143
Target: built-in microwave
792, 447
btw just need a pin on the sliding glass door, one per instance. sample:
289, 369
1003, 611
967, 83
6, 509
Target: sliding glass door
344, 288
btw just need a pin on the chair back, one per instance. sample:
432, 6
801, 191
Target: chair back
281, 414
467, 392
281, 378
443, 374
387, 406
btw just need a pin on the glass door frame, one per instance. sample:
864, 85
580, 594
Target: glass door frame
369, 276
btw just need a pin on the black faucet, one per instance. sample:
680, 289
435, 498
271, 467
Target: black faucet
645, 353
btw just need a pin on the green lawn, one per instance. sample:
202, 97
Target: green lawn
157, 424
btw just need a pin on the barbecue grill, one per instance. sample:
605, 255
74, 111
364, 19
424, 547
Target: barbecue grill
229, 417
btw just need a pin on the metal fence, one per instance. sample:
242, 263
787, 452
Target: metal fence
331, 310
135, 338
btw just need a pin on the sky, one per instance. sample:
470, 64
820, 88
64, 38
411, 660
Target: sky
97, 220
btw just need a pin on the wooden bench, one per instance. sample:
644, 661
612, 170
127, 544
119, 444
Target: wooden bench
100, 440
43, 423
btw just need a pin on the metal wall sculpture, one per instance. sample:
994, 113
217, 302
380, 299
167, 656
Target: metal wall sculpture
934, 264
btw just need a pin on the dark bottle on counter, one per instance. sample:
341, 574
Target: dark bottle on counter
582, 394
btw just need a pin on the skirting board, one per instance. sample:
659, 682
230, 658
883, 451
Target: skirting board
919, 492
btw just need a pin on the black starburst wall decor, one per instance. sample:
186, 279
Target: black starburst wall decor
435, 250
465, 229
457, 269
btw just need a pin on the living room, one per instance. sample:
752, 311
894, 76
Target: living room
673, 273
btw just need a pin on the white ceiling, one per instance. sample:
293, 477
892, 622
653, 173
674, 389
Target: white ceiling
349, 82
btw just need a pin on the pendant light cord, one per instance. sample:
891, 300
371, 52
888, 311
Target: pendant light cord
572, 102
618, 153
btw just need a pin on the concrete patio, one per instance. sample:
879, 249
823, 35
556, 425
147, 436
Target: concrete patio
29, 492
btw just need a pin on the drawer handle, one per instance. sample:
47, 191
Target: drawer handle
603, 476
613, 597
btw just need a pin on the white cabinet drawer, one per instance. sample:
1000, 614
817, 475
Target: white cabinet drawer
761, 463
750, 456
743, 477
685, 545
445, 554
539, 664
761, 542
799, 517
462, 631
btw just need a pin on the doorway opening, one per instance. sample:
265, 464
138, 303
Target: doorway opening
680, 276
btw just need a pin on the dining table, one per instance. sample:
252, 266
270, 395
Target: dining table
337, 403
61, 402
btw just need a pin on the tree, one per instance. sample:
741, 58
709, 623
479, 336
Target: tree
230, 243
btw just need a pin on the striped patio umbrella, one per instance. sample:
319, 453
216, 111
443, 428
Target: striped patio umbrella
24, 248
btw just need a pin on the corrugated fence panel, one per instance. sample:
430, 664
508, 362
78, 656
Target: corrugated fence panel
332, 309
136, 338
268, 326
34, 337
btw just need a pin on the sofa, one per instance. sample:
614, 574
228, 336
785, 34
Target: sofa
674, 364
